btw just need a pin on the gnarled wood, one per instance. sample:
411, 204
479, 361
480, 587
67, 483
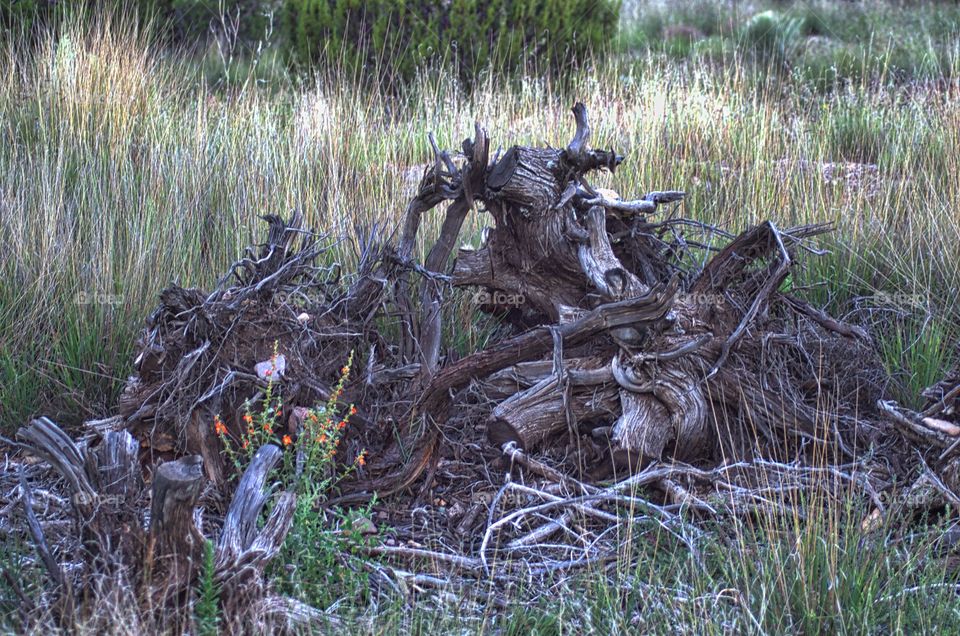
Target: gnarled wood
532, 416
107, 496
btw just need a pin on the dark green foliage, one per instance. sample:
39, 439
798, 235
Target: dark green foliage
395, 37
180, 22
829, 44
772, 36
28, 17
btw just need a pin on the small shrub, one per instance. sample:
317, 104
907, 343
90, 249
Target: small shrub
679, 40
714, 48
207, 608
315, 564
309, 461
772, 36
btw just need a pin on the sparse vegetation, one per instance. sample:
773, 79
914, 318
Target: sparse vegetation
124, 167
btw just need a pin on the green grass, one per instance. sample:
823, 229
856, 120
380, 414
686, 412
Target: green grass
206, 610
767, 575
823, 41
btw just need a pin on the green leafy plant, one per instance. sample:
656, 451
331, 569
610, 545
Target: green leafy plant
206, 611
310, 457
316, 555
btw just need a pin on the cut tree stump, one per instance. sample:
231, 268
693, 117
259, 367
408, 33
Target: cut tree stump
176, 544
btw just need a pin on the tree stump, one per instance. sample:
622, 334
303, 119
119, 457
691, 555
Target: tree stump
175, 545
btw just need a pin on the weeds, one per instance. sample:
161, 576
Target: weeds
316, 563
206, 611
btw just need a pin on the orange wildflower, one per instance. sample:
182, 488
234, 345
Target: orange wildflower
218, 426
268, 428
353, 410
287, 440
246, 443
361, 460
322, 438
248, 418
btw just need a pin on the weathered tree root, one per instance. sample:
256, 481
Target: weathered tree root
657, 376
629, 383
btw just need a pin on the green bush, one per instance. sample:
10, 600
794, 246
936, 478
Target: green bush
395, 37
179, 22
27, 17
772, 36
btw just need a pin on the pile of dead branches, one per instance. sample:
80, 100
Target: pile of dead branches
646, 368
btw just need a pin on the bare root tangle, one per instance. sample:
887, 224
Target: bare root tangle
639, 370
614, 335
595, 283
